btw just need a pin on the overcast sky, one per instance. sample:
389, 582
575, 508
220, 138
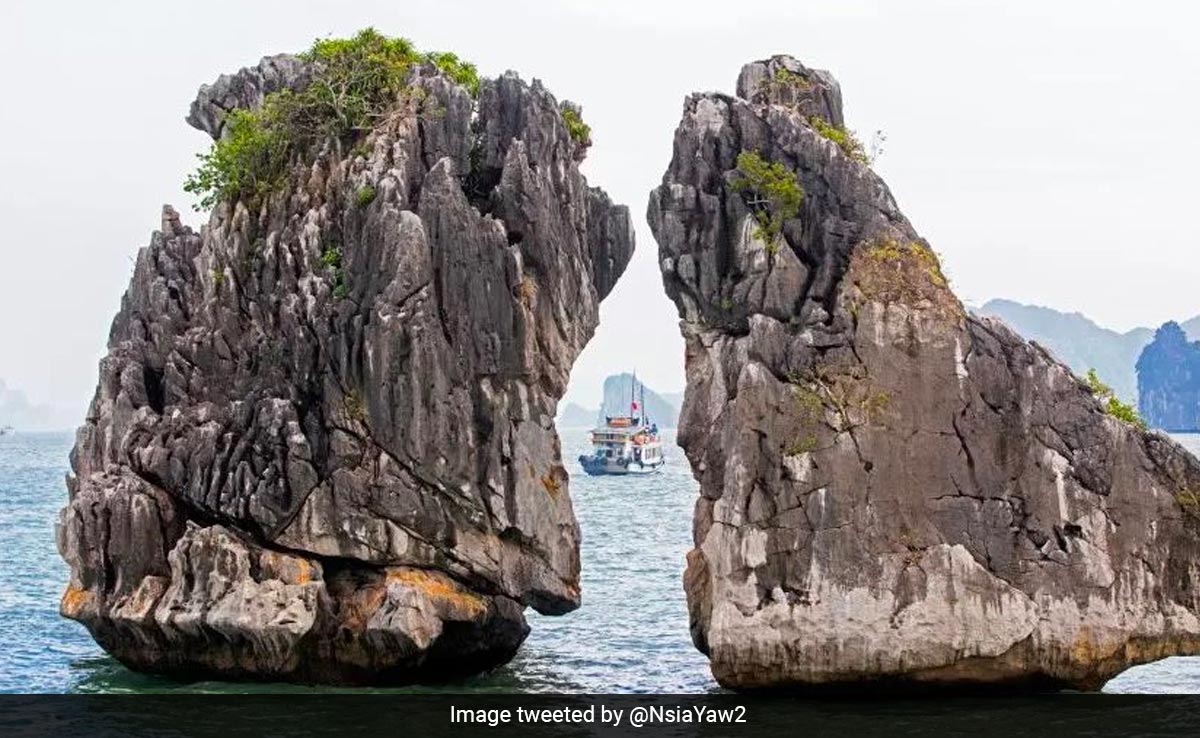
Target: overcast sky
1048, 150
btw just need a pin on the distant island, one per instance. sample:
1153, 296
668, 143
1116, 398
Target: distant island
1157, 370
574, 415
663, 408
1168, 373
18, 412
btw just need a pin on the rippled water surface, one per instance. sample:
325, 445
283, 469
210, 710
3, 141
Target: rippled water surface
630, 635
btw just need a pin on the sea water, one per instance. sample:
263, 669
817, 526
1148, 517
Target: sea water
630, 634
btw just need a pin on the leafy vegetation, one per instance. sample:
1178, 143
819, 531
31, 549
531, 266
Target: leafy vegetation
803, 445
774, 195
887, 271
838, 399
462, 72
248, 162
783, 82
845, 139
890, 251
365, 196
331, 257
1189, 500
579, 131
784, 77
1112, 405
355, 83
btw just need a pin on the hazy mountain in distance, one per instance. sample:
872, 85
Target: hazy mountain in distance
574, 415
674, 398
17, 411
1076, 340
1191, 328
616, 401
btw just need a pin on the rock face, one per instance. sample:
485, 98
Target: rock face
1078, 342
893, 492
1168, 373
244, 89
345, 469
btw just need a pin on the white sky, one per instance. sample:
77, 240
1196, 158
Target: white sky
1046, 149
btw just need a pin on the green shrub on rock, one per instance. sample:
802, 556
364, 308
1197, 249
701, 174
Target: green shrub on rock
774, 195
249, 161
462, 72
845, 139
579, 131
355, 83
365, 196
1112, 405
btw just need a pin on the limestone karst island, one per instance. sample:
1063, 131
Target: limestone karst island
391, 404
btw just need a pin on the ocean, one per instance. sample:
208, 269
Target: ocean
630, 635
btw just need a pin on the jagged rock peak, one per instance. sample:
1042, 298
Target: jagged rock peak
893, 493
322, 445
782, 80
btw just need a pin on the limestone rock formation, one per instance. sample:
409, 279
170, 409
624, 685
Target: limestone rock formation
245, 89
893, 493
322, 446
1168, 379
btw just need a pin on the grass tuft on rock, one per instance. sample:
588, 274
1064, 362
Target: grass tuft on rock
887, 270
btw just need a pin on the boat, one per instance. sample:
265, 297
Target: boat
625, 444
5, 430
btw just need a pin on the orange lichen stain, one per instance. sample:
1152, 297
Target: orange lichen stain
287, 569
552, 485
1140, 651
1086, 649
74, 600
440, 589
1082, 649
304, 575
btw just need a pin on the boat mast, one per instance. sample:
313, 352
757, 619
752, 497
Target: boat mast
632, 401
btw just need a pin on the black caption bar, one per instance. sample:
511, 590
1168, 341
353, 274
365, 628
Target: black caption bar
400, 715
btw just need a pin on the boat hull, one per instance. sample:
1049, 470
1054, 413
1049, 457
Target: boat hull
600, 467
